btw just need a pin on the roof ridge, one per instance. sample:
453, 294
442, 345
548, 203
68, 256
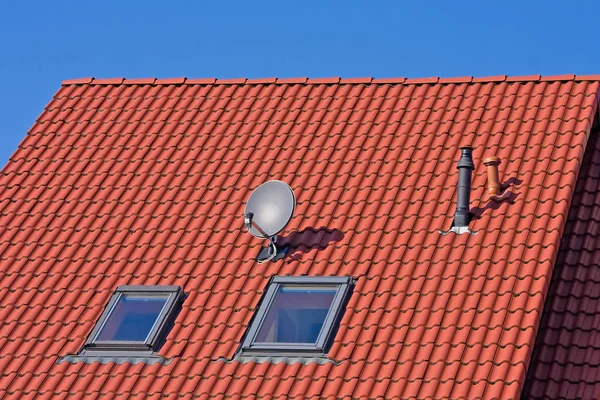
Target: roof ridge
331, 80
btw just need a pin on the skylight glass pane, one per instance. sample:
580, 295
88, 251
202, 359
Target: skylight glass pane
297, 314
132, 317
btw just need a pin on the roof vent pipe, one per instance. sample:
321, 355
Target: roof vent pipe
493, 186
465, 170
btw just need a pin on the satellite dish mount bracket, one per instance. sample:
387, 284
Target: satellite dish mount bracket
271, 252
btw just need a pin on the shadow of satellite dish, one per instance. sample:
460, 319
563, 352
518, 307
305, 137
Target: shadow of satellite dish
309, 239
268, 210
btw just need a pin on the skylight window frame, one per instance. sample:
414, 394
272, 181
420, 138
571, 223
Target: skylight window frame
328, 330
155, 336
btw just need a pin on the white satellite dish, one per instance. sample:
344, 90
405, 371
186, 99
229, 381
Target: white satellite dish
268, 210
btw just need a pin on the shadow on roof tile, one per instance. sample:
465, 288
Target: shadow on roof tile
507, 187
306, 240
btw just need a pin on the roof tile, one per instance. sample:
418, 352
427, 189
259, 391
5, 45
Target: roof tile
356, 80
201, 81
389, 80
587, 77
526, 78
141, 183
171, 81
462, 79
566, 77
318, 81
233, 81
78, 81
291, 80
108, 81
497, 78
418, 81
140, 81
262, 81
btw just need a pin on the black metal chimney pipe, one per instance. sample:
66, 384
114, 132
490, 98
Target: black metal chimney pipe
465, 170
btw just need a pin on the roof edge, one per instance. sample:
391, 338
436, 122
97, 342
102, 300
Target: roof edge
320, 81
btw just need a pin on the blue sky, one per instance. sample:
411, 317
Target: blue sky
45, 42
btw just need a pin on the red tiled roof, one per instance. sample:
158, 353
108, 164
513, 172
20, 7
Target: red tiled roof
133, 182
567, 357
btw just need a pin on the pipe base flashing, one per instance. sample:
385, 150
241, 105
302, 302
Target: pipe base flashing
459, 230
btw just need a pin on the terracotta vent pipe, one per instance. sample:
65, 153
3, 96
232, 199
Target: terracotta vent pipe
493, 185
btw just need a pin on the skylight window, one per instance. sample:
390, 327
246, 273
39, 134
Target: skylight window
136, 319
298, 315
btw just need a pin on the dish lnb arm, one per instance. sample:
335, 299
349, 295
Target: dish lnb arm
248, 220
249, 223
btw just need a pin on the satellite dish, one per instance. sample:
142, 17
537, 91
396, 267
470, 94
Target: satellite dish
268, 210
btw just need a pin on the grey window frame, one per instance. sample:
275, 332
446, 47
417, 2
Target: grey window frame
344, 285
155, 337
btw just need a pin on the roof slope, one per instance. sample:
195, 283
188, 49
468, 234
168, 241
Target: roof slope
144, 182
566, 358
